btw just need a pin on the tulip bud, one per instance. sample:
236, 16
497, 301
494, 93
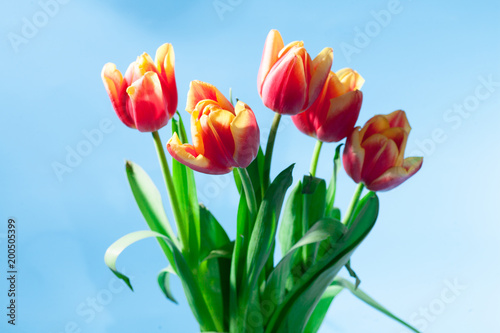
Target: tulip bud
146, 98
335, 112
224, 136
374, 154
289, 81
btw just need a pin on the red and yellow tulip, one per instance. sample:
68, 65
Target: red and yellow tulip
335, 112
224, 136
374, 154
146, 98
289, 81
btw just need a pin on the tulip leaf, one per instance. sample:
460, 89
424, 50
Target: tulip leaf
185, 187
323, 230
191, 288
332, 186
314, 196
149, 200
261, 244
164, 282
256, 171
213, 235
291, 224
293, 313
213, 275
321, 309
343, 283
352, 273
238, 260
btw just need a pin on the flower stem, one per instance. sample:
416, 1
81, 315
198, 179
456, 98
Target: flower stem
315, 158
352, 207
269, 150
249, 192
174, 203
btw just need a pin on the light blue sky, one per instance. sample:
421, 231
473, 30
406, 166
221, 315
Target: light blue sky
429, 58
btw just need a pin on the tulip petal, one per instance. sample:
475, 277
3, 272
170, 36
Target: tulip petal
350, 79
354, 156
274, 43
376, 124
341, 117
187, 155
115, 86
246, 135
199, 91
283, 90
147, 104
215, 149
304, 121
398, 119
321, 66
196, 133
400, 137
165, 64
138, 68
221, 124
381, 154
395, 176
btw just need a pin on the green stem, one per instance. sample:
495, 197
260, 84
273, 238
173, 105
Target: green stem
249, 192
315, 158
269, 150
352, 207
174, 203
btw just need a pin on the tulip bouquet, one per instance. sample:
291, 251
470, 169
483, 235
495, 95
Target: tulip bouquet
232, 284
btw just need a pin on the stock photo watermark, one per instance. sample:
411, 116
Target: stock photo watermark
223, 6
428, 314
456, 114
89, 309
11, 272
363, 36
84, 147
31, 25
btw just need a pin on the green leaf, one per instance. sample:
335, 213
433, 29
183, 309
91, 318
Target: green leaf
291, 224
263, 235
191, 289
352, 273
164, 282
293, 313
149, 200
314, 196
238, 260
343, 283
261, 243
323, 230
185, 187
225, 251
320, 311
213, 235
213, 275
332, 186
255, 171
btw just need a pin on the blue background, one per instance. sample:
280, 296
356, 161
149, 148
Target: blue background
429, 58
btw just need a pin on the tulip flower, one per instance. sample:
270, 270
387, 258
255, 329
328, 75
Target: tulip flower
146, 98
224, 136
334, 113
374, 154
289, 81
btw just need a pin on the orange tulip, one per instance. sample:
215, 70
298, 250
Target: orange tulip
224, 136
334, 113
289, 81
374, 154
146, 98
